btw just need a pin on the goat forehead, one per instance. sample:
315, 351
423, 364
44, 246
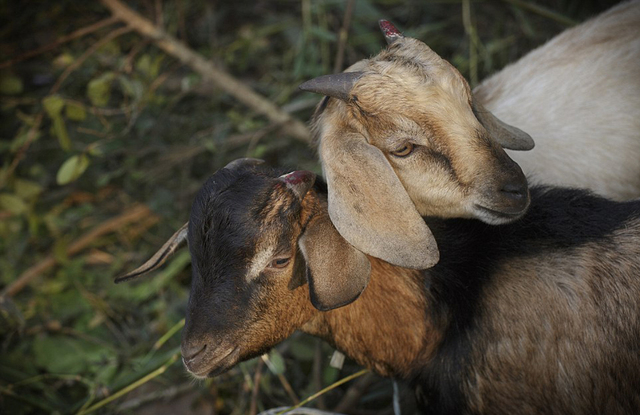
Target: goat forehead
238, 234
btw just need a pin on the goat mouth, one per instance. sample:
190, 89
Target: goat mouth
497, 217
215, 366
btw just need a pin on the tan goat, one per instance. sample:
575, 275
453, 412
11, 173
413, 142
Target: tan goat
405, 123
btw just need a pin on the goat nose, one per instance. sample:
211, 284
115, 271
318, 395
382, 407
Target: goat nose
190, 352
514, 195
515, 190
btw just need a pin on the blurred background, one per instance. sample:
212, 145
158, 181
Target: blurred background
106, 135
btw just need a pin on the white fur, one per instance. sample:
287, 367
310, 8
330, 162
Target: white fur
578, 96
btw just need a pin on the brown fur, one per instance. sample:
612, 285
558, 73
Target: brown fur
387, 328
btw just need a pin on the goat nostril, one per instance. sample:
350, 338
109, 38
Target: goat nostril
191, 352
515, 190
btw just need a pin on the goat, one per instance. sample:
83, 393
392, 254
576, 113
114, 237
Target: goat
541, 315
406, 122
579, 98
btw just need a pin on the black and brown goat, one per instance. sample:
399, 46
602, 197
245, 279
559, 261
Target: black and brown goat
537, 316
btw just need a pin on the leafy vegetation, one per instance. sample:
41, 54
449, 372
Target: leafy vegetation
105, 139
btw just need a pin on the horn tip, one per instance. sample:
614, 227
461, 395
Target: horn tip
389, 30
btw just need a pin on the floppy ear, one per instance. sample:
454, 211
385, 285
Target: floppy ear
369, 206
337, 273
506, 135
160, 257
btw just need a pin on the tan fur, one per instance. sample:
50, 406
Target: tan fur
579, 98
337, 272
408, 94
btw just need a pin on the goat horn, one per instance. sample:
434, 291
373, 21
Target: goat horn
336, 85
299, 181
160, 257
247, 161
390, 32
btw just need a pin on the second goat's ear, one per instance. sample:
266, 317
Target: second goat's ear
369, 206
337, 273
506, 135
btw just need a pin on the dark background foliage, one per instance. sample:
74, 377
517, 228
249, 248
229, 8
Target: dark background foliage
107, 125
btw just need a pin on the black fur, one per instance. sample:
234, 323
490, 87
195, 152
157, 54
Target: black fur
470, 251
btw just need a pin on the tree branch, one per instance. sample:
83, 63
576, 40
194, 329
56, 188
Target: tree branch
208, 70
136, 213
64, 39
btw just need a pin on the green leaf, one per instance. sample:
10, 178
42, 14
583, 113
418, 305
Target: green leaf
72, 168
21, 138
13, 203
75, 111
60, 131
99, 89
27, 189
60, 250
59, 354
63, 60
144, 64
10, 85
275, 362
53, 105
131, 87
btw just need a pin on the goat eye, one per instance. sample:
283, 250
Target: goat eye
280, 262
403, 151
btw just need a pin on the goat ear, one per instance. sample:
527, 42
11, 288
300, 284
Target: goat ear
369, 206
506, 135
160, 257
299, 181
337, 273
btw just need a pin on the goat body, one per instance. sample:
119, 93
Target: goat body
538, 316
579, 98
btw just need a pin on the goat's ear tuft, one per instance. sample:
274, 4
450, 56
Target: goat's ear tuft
299, 181
160, 257
369, 206
506, 135
337, 273
336, 85
390, 32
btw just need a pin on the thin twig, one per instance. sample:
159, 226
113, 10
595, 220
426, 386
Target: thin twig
316, 372
132, 386
137, 212
253, 407
473, 42
325, 390
285, 383
31, 135
60, 41
76, 64
543, 11
343, 36
165, 394
208, 70
355, 392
